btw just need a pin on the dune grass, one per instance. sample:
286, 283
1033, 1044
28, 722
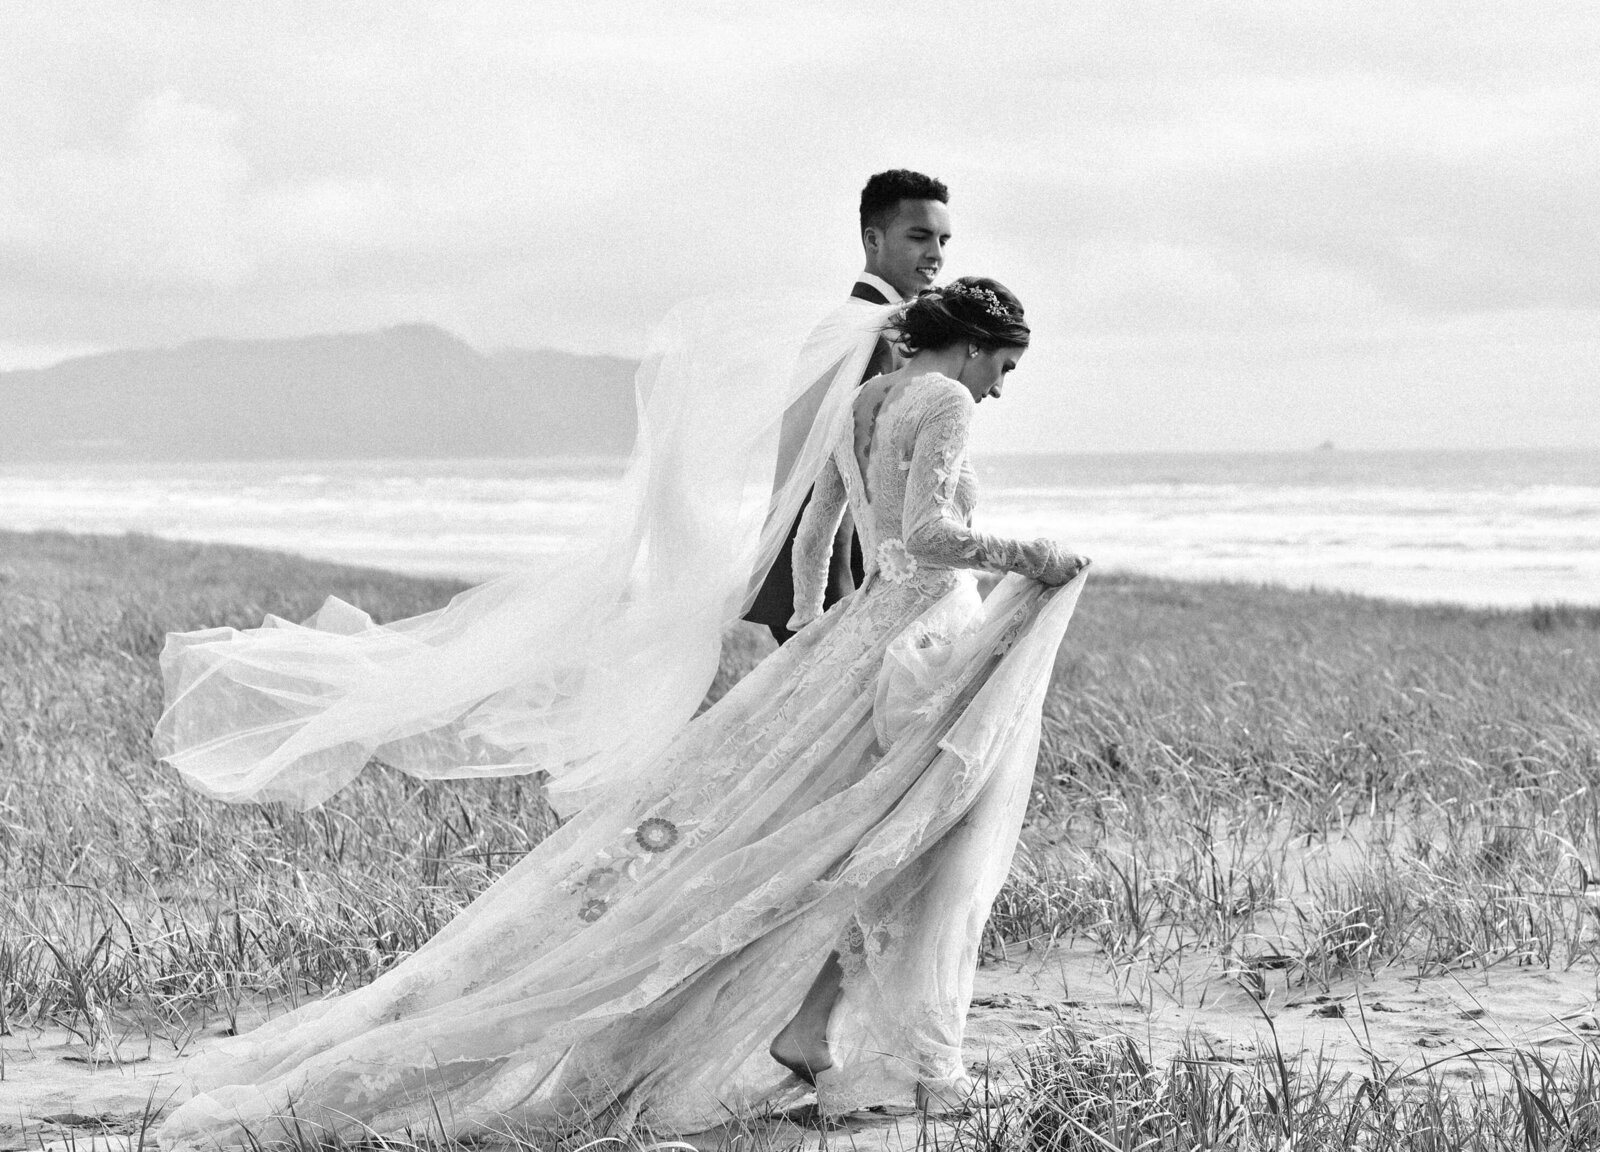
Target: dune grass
1305, 785
1069, 1093
1321, 781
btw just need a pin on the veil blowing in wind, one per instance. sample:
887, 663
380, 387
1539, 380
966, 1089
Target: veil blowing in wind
578, 667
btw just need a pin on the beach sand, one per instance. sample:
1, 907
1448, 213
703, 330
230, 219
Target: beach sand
1459, 1024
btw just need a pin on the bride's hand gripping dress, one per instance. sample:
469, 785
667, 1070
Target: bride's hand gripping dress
861, 791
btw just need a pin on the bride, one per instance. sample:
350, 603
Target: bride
785, 894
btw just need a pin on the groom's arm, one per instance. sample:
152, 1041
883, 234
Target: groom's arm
884, 359
841, 580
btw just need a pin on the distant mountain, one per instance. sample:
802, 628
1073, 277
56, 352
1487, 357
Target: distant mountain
414, 390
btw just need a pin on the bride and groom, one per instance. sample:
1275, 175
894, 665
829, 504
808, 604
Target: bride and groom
782, 896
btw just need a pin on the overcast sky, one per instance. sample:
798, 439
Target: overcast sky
1234, 225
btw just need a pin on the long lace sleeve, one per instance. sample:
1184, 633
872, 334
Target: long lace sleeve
934, 530
813, 544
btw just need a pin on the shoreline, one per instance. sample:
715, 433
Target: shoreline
1499, 531
1312, 452
1101, 574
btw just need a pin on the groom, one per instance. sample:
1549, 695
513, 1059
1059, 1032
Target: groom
905, 225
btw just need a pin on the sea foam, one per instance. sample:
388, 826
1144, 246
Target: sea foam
1475, 528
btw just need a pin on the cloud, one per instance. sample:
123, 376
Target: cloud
162, 208
1196, 201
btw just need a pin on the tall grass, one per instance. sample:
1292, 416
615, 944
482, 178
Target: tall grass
124, 892
1108, 1096
1355, 782
1308, 785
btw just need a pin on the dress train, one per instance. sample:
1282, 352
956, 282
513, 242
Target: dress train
861, 791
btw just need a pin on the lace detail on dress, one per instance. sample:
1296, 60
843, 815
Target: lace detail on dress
923, 492
813, 542
930, 439
852, 951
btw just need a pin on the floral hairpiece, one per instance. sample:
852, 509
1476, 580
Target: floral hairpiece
985, 297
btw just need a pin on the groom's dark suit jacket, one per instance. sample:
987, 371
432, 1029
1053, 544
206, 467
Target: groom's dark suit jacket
774, 603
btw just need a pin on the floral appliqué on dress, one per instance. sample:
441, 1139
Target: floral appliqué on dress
641, 845
896, 563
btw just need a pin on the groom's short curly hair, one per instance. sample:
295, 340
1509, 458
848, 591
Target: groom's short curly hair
884, 191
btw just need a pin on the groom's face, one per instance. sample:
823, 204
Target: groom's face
909, 251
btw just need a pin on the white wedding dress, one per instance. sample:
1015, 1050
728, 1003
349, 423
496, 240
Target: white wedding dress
861, 790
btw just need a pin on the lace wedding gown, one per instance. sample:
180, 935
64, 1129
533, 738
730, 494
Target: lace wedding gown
861, 790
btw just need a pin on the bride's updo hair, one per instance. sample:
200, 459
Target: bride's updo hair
974, 309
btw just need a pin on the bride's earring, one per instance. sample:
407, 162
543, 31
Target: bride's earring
972, 354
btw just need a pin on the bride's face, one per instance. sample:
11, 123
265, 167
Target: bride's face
985, 374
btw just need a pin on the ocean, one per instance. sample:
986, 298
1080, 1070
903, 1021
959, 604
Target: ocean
1490, 528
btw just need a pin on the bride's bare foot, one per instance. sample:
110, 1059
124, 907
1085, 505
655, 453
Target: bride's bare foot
805, 1060
945, 1097
802, 1046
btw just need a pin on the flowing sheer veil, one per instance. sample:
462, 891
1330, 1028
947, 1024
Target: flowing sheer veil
582, 668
